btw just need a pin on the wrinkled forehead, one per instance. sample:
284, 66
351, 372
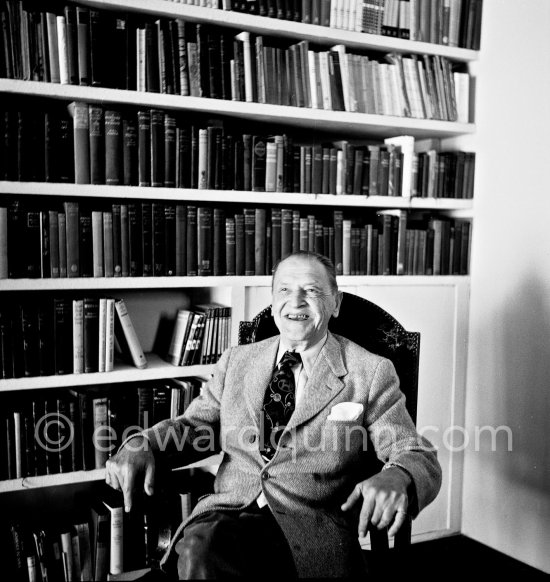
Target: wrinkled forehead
301, 271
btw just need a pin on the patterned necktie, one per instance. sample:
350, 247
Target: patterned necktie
279, 402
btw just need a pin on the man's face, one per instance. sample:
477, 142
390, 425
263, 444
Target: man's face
303, 301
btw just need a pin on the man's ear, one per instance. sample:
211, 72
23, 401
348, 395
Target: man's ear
339, 297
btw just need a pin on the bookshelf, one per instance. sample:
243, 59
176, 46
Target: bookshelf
419, 302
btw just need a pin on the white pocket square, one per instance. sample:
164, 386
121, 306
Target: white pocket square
346, 411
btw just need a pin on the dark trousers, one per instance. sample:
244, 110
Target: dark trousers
234, 544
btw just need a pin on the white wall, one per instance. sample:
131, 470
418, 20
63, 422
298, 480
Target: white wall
506, 495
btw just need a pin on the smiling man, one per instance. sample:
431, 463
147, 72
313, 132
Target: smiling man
291, 414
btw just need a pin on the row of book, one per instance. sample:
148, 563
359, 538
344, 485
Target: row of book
158, 148
160, 239
98, 540
177, 57
75, 429
448, 22
61, 335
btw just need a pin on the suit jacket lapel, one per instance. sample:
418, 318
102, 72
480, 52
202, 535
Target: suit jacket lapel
258, 377
323, 384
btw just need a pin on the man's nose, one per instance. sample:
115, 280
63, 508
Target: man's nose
297, 297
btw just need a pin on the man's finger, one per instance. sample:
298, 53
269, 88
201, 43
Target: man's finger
352, 499
149, 483
399, 520
365, 516
127, 489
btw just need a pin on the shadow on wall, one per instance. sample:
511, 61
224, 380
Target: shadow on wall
525, 378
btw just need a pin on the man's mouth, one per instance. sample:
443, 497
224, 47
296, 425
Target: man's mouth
297, 316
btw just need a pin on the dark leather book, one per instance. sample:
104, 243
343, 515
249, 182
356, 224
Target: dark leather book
213, 46
97, 144
307, 11
157, 148
230, 267
72, 43
201, 31
295, 231
64, 430
218, 259
183, 156
144, 148
170, 239
72, 238
28, 319
286, 232
191, 246
181, 240
147, 238
226, 55
182, 28
63, 335
129, 151
338, 217
91, 334
194, 165
335, 78
247, 161
166, 61
32, 237
6, 345
99, 51
158, 234
117, 240
258, 163
173, 47
135, 237
38, 411
205, 241
239, 245
249, 241
152, 74
275, 236
113, 148
85, 243
44, 323
169, 150
260, 242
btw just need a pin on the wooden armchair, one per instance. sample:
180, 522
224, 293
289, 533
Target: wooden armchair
376, 330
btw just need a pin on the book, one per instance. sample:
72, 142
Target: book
126, 336
182, 324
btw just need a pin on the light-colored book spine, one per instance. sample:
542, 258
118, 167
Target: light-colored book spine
67, 549
62, 51
132, 339
247, 58
51, 23
110, 335
102, 339
116, 553
78, 336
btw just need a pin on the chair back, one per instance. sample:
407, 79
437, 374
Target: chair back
373, 328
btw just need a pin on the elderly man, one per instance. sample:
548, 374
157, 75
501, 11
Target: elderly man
291, 415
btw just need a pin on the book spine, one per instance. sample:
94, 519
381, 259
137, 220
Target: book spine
130, 334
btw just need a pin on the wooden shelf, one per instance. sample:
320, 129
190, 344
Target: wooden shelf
319, 35
82, 477
233, 196
157, 369
342, 123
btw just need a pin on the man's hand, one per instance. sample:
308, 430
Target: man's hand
384, 500
133, 465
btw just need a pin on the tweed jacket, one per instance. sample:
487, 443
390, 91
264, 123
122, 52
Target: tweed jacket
318, 461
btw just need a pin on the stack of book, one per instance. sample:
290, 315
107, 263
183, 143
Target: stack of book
447, 22
66, 430
101, 541
60, 335
183, 58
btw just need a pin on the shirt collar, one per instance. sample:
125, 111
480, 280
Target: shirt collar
308, 356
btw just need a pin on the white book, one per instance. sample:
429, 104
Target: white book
78, 336
325, 81
110, 335
271, 167
83, 533
53, 44
77, 573
179, 335
203, 159
280, 162
116, 548
340, 169
312, 70
462, 91
67, 549
406, 143
140, 59
346, 247
102, 336
18, 431
247, 58
127, 338
62, 50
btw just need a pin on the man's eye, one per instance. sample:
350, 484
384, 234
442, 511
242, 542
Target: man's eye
312, 292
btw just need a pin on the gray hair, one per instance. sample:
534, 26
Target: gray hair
313, 256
